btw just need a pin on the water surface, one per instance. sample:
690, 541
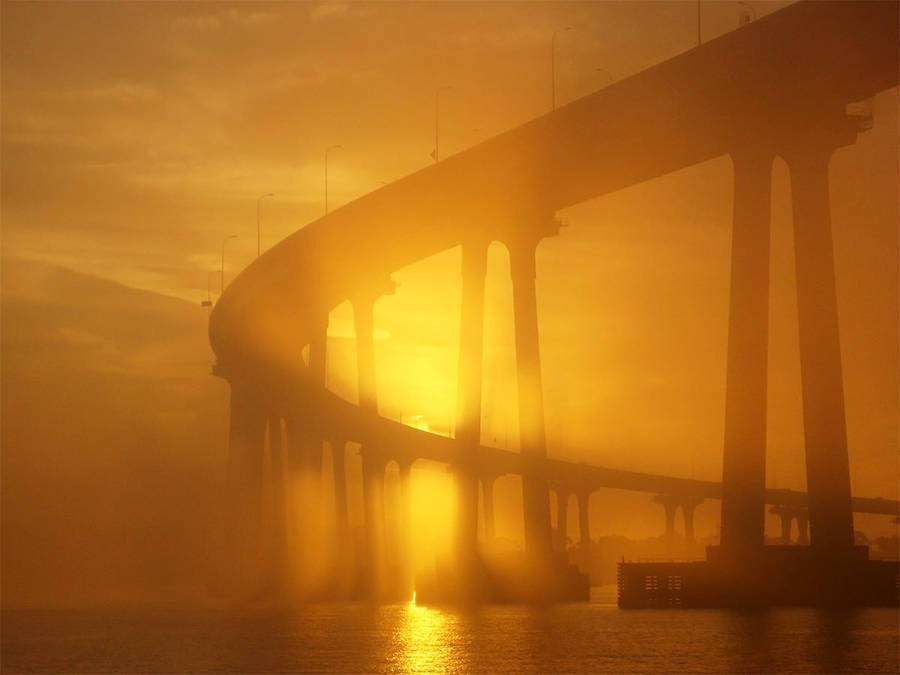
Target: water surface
413, 638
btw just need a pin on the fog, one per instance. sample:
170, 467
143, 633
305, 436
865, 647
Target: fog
136, 137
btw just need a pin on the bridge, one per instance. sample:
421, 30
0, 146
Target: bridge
779, 86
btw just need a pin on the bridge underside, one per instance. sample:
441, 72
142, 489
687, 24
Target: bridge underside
777, 87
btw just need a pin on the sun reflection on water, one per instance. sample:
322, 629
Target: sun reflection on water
427, 640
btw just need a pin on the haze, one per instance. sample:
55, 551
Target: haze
137, 136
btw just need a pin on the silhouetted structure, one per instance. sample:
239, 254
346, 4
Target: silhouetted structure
778, 86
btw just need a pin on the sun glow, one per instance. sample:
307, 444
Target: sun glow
432, 508
417, 422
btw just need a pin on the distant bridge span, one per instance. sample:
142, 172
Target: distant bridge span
405, 445
779, 86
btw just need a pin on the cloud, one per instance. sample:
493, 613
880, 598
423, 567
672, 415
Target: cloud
119, 92
513, 38
328, 10
215, 21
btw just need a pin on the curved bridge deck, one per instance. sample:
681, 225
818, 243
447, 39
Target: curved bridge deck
779, 86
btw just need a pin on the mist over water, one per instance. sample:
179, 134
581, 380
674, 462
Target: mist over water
342, 638
598, 292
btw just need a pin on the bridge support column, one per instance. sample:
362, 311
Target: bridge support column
277, 528
487, 495
584, 529
301, 447
786, 517
372, 466
744, 462
536, 497
317, 371
318, 350
364, 326
468, 405
670, 508
303, 478
688, 505
786, 514
246, 452
373, 508
786, 521
341, 512
304, 451
670, 504
345, 553
824, 424
406, 552
562, 518
802, 529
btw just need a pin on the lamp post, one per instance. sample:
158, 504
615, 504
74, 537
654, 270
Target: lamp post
437, 102
331, 147
258, 202
553, 64
747, 15
208, 301
222, 268
699, 41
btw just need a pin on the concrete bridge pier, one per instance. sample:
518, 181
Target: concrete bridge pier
532, 436
372, 463
487, 496
309, 449
318, 349
341, 511
803, 529
584, 528
312, 462
278, 513
302, 476
244, 509
786, 528
688, 505
373, 508
405, 522
670, 508
301, 451
344, 548
825, 430
786, 517
562, 518
670, 504
744, 461
468, 404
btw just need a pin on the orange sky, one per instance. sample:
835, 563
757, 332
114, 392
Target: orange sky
135, 136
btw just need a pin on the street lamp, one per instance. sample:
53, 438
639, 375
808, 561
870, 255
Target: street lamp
699, 41
222, 268
258, 201
331, 147
208, 301
553, 63
748, 13
437, 100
